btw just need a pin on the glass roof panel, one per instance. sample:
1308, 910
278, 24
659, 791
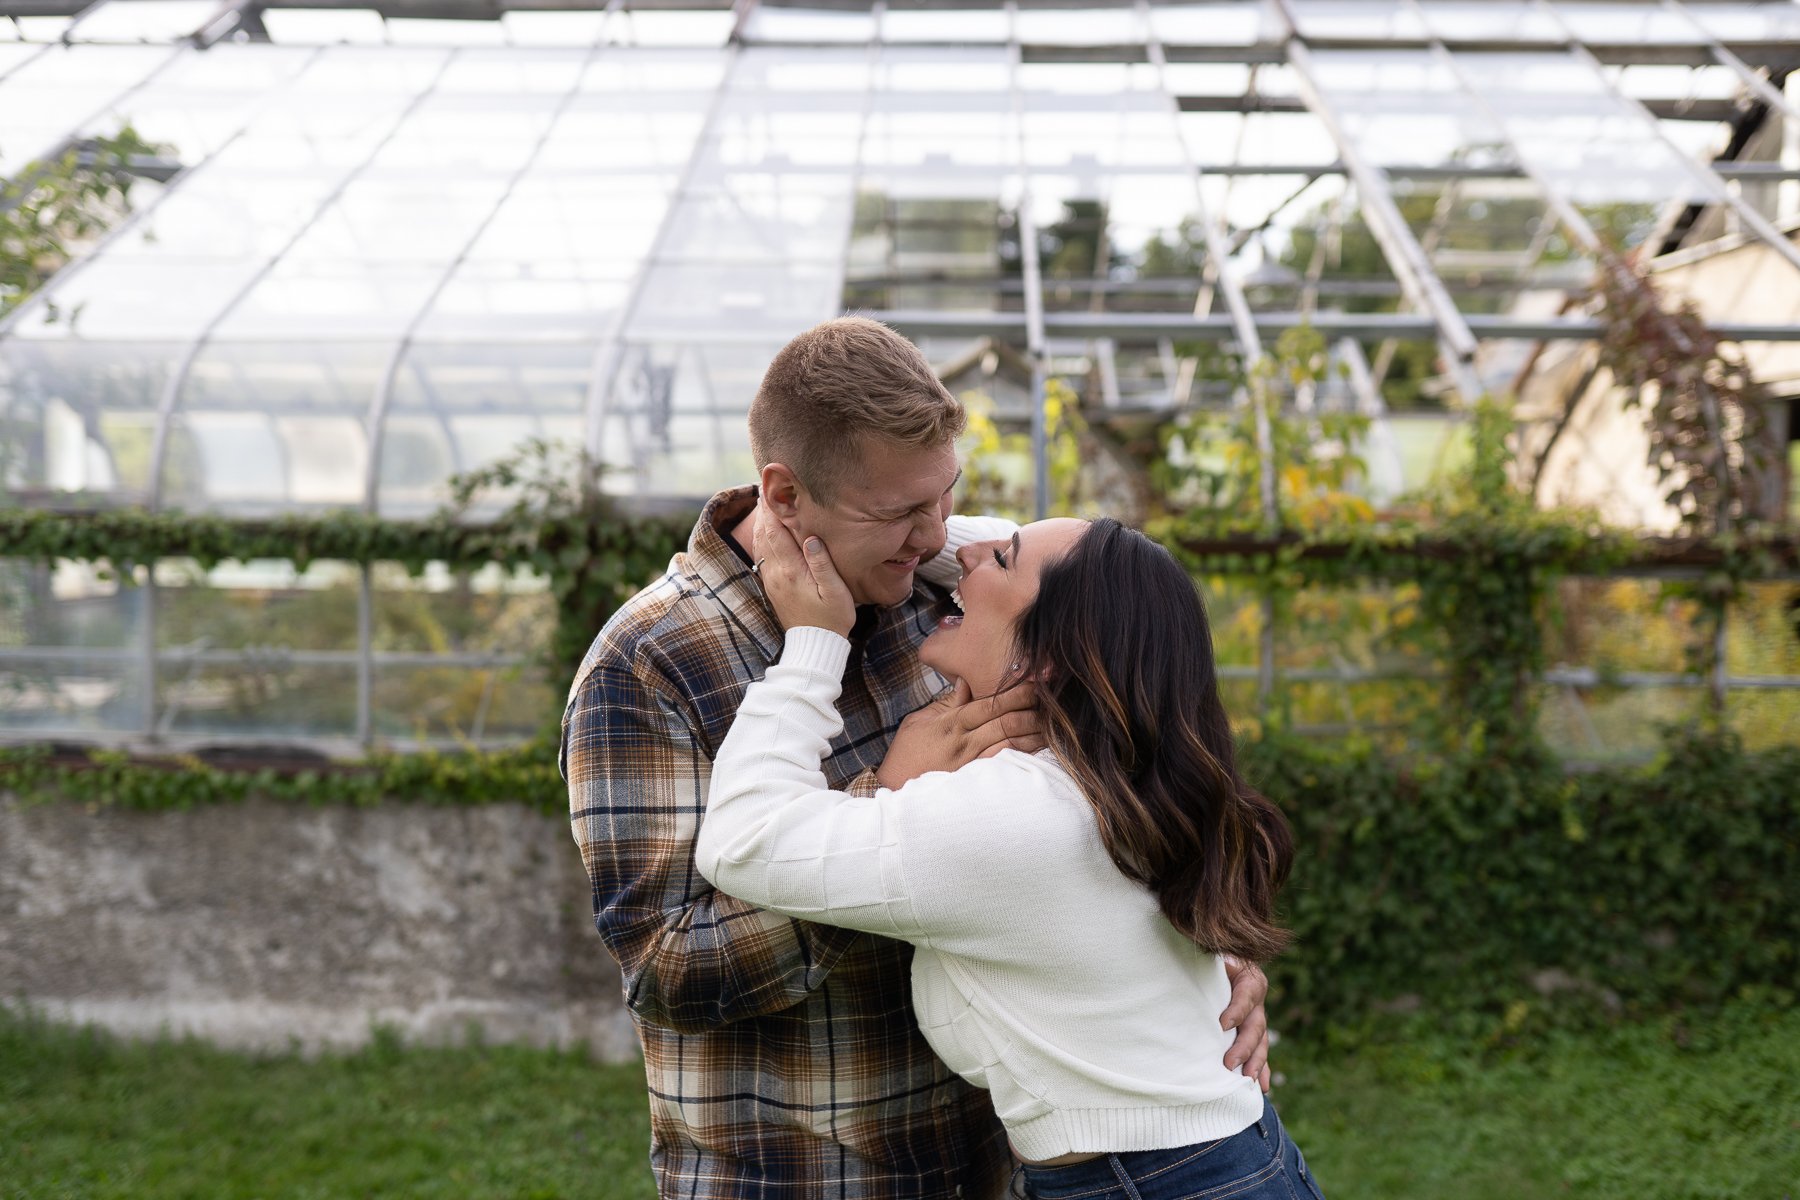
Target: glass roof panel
650, 27
46, 99
316, 27
1406, 108
674, 418
1227, 139
762, 218
1587, 142
267, 427
271, 426
1079, 26
1749, 22
553, 28
808, 25
642, 73
735, 300
1490, 20
135, 297
1628, 24
551, 217
1228, 23
456, 407
417, 31
43, 29
952, 26
143, 20
199, 102
1378, 20
81, 417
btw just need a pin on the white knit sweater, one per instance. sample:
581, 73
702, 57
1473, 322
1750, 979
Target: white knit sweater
1042, 973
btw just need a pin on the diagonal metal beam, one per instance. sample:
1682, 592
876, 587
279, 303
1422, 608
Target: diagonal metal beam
1405, 256
1709, 181
1218, 249
1032, 269
1760, 87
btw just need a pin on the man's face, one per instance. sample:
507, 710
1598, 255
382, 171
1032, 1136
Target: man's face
885, 519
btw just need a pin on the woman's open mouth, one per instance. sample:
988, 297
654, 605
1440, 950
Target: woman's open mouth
953, 619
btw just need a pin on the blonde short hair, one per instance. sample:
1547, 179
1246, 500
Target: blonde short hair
838, 383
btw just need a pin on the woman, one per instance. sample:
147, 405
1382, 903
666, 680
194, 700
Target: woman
1069, 907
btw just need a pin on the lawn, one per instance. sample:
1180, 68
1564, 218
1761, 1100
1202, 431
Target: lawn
1704, 1109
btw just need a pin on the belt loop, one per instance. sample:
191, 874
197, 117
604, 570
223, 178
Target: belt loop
1118, 1169
1262, 1127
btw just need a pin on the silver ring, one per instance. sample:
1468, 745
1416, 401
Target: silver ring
756, 567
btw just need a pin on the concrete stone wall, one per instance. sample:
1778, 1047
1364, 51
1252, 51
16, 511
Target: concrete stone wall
264, 925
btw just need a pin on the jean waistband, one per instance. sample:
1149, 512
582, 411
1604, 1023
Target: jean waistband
1096, 1175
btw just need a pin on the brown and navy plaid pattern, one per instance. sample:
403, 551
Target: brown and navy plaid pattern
783, 1058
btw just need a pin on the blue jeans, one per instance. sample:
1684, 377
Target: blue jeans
1261, 1163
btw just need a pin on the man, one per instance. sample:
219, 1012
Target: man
782, 1057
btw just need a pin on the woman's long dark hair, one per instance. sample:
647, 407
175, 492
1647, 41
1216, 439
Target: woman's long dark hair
1130, 699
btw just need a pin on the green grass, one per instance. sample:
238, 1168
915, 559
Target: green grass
1709, 1109
1664, 1110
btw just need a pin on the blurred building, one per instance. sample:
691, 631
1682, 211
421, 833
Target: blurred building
382, 245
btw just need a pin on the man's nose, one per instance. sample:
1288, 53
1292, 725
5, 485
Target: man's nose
928, 531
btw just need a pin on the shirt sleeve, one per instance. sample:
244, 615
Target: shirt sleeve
959, 531
777, 836
691, 957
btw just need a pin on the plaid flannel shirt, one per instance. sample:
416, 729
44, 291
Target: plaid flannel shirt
783, 1058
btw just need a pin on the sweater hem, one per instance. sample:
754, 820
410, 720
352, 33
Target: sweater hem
1123, 1130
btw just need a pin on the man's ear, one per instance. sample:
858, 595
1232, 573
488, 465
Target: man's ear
781, 491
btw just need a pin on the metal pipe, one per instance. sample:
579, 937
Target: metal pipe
1762, 88
1760, 225
1032, 268
1149, 327
1405, 256
1243, 324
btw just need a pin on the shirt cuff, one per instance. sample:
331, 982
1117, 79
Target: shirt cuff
813, 649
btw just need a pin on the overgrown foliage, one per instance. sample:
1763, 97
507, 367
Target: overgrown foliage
1495, 885
538, 509
524, 774
1703, 409
49, 208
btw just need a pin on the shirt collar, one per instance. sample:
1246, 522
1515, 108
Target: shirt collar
723, 571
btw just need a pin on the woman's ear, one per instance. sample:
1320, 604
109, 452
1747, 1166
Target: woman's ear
781, 491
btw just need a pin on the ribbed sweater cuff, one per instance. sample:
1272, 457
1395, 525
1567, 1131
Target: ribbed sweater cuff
1116, 1130
813, 649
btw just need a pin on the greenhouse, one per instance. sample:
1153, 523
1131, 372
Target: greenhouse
367, 250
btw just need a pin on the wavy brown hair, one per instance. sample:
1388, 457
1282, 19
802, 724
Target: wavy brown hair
1130, 699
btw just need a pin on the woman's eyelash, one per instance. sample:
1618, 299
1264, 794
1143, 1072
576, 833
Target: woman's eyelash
1000, 558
